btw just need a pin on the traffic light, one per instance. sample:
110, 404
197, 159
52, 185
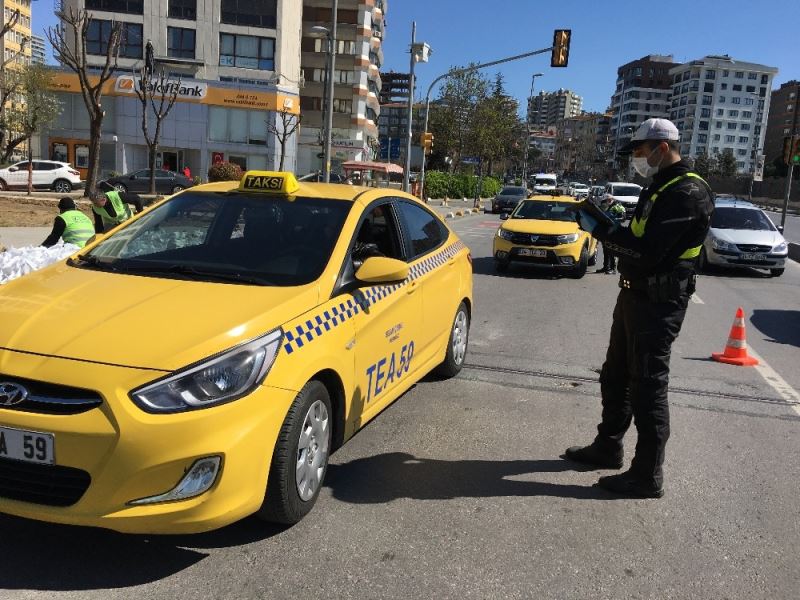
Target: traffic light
426, 141
791, 150
796, 152
560, 56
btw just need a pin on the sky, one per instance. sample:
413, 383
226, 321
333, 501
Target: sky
605, 35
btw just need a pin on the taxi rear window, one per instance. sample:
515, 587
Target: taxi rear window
222, 236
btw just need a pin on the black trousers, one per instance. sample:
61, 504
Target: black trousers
609, 260
635, 376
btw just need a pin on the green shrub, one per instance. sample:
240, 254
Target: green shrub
197, 180
224, 171
436, 184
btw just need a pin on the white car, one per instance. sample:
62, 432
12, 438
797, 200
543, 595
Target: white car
544, 183
46, 175
627, 194
579, 190
742, 235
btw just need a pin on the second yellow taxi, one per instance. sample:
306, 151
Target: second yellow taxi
542, 231
200, 362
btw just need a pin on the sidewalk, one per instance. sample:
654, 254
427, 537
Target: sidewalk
16, 237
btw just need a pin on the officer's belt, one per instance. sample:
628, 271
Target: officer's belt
648, 283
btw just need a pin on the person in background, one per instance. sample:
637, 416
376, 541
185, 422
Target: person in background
187, 172
70, 224
112, 207
616, 211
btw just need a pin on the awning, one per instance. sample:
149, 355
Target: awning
378, 167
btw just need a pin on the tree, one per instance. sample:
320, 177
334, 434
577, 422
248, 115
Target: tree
10, 79
705, 165
39, 109
727, 164
157, 95
69, 47
289, 122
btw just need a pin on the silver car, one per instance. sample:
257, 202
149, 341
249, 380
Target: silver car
742, 235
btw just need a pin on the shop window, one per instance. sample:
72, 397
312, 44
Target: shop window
82, 156
247, 52
180, 42
255, 13
239, 160
183, 9
60, 152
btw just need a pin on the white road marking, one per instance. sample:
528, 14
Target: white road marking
697, 299
778, 383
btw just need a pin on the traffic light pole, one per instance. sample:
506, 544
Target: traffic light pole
410, 110
788, 191
460, 72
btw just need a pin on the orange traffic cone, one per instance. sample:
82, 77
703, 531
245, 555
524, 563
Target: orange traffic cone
735, 352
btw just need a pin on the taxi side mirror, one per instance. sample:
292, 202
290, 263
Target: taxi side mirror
504, 217
780, 228
379, 269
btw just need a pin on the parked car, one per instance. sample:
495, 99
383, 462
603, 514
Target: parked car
316, 177
626, 194
46, 175
167, 182
508, 198
742, 235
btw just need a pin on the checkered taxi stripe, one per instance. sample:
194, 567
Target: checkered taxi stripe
303, 333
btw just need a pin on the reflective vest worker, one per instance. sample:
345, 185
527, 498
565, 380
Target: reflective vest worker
111, 207
71, 224
657, 255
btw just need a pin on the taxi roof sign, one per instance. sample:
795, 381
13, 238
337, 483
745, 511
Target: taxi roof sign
269, 182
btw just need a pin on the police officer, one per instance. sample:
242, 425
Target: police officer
657, 254
111, 207
71, 224
616, 211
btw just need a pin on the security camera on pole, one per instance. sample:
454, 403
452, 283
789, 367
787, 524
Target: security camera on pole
419, 53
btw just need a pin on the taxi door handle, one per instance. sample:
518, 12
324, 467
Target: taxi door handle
411, 287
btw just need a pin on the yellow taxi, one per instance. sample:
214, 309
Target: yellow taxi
542, 231
200, 362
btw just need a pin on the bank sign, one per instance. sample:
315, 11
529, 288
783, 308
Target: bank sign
126, 84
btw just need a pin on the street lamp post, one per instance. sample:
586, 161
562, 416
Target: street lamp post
459, 72
330, 34
409, 127
528, 131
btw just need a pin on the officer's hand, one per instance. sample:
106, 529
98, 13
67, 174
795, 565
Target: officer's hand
586, 221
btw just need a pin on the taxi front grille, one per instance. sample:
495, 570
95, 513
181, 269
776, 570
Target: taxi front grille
51, 485
49, 398
534, 239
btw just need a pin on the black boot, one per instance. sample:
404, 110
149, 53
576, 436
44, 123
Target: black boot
627, 484
595, 456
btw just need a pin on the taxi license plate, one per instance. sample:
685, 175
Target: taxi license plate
27, 446
532, 252
750, 256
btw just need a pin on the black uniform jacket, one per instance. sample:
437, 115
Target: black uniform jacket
676, 221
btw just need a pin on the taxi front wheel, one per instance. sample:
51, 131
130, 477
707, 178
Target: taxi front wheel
300, 460
456, 345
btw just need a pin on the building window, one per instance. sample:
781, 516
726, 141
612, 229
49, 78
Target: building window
718, 124
711, 74
731, 125
737, 88
255, 13
131, 7
180, 42
722, 99
716, 137
739, 75
749, 101
702, 138
183, 9
741, 152
720, 112
730, 139
676, 90
736, 100
743, 139
707, 100
740, 164
764, 79
725, 73
100, 30
341, 105
745, 126
681, 113
246, 52
752, 75
733, 113
746, 114
236, 126
705, 113
750, 89
703, 125
723, 86
708, 87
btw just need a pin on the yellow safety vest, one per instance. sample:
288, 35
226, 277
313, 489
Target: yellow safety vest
122, 210
638, 224
78, 228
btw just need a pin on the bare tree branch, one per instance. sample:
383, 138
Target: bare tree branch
288, 125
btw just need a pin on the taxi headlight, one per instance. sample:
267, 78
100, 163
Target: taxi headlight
219, 379
568, 238
506, 235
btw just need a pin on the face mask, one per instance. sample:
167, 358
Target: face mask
643, 168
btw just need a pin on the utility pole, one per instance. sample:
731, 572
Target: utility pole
788, 191
409, 127
326, 167
528, 131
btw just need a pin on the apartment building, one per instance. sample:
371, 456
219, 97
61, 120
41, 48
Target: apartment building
547, 108
719, 104
38, 54
642, 91
19, 35
238, 66
582, 144
783, 108
357, 82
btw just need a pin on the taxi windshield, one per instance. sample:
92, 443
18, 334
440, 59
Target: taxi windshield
228, 237
544, 211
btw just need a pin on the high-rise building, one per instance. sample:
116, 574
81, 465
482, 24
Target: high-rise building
234, 70
18, 37
783, 109
719, 104
582, 144
641, 92
357, 82
394, 87
548, 108
38, 55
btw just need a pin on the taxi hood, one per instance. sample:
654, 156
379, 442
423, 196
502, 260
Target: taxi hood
540, 226
138, 321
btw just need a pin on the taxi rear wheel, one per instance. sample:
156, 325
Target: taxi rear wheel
300, 459
456, 345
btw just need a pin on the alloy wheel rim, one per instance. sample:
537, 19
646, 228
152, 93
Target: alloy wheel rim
312, 450
460, 334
